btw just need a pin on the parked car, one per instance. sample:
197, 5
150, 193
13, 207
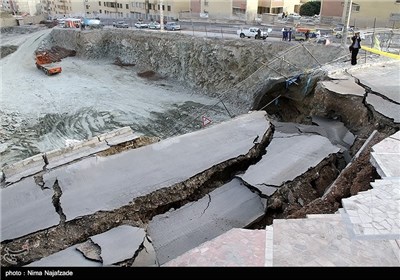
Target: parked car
172, 25
154, 25
121, 24
141, 24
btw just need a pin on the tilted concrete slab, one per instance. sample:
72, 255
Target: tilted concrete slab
147, 256
287, 158
24, 168
78, 151
385, 107
230, 206
237, 247
66, 258
383, 79
336, 132
326, 242
118, 136
26, 208
344, 87
119, 244
89, 147
107, 183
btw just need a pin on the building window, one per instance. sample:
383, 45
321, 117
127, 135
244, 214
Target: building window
168, 8
397, 1
206, 3
355, 8
127, 6
100, 3
100, 11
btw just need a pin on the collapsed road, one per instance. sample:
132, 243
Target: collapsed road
267, 164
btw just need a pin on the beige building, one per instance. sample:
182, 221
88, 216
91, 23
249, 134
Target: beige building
137, 9
59, 8
31, 7
241, 9
364, 13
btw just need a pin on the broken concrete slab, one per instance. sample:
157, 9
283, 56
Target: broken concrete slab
66, 258
231, 206
74, 152
147, 256
237, 247
119, 244
287, 158
24, 168
118, 136
383, 79
344, 86
336, 132
26, 208
90, 250
107, 183
385, 107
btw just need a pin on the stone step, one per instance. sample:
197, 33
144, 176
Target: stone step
237, 247
326, 242
392, 181
374, 213
269, 246
324, 216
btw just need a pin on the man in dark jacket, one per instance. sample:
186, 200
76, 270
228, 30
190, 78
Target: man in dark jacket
355, 47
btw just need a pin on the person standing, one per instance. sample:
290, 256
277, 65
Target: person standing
290, 34
355, 47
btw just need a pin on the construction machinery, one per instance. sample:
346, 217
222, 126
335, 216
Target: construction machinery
45, 63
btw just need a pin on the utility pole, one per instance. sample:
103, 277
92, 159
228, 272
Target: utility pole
161, 15
348, 4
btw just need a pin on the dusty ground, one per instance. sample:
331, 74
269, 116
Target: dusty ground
39, 113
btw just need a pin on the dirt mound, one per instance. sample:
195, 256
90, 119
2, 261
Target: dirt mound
6, 50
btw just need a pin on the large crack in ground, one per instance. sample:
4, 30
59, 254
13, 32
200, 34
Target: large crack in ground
138, 212
295, 199
56, 202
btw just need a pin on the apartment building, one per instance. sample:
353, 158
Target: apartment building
62, 8
139, 9
364, 13
242, 9
31, 7
247, 10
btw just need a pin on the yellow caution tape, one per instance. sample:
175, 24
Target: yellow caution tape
391, 55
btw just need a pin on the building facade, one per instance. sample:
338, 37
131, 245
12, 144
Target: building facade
31, 7
364, 13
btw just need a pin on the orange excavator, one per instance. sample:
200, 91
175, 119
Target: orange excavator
45, 63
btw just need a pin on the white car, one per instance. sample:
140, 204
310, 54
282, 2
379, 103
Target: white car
172, 26
141, 24
154, 25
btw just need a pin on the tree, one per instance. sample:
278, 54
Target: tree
310, 8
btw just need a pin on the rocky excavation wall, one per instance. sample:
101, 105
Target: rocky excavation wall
238, 70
